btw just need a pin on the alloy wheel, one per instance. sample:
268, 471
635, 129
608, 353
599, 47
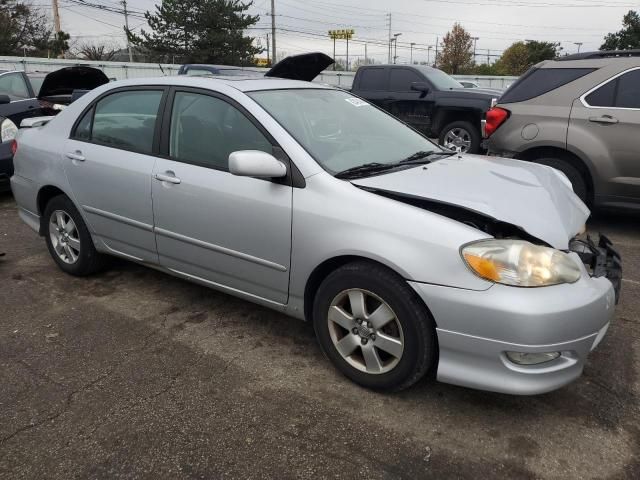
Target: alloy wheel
65, 237
458, 139
365, 331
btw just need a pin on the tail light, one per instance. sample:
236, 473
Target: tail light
496, 116
14, 147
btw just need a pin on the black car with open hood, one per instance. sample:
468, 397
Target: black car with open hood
20, 99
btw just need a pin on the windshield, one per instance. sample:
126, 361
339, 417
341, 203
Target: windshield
341, 131
441, 80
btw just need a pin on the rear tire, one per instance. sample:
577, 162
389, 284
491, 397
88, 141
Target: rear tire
573, 174
68, 239
461, 134
387, 344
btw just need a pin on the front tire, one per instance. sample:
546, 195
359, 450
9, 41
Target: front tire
461, 136
373, 327
68, 238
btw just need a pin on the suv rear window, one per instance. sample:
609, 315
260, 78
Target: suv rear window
539, 81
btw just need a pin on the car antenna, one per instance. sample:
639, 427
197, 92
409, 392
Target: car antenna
162, 69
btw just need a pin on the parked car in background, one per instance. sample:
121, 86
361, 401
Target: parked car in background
581, 115
31, 95
468, 84
429, 100
304, 198
205, 70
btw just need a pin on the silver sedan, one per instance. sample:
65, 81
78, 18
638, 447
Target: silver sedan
406, 257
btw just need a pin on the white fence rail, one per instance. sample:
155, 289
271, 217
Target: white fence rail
123, 70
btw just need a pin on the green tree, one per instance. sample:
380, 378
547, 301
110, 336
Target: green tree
457, 52
628, 37
521, 56
206, 31
540, 51
24, 28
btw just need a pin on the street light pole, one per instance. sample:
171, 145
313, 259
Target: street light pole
579, 44
395, 47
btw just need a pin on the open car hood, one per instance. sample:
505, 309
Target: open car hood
59, 86
301, 67
535, 198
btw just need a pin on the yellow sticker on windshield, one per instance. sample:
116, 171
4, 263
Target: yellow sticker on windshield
356, 102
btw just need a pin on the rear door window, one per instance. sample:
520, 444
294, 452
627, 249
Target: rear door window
401, 79
628, 95
127, 120
621, 92
604, 96
538, 81
373, 79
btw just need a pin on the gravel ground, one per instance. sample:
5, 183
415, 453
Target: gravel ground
135, 374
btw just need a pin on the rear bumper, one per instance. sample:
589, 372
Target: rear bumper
476, 328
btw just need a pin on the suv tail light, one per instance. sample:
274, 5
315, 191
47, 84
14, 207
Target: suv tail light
14, 147
496, 116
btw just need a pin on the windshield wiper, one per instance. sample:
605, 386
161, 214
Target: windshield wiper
421, 157
358, 171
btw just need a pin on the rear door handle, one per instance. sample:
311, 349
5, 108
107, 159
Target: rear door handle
77, 155
168, 177
607, 119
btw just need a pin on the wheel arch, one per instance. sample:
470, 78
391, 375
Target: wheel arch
583, 167
445, 116
324, 269
45, 194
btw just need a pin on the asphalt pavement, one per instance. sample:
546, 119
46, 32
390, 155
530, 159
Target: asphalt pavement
136, 374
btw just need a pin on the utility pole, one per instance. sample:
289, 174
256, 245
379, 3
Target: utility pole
273, 30
411, 54
347, 64
435, 61
56, 16
268, 57
429, 55
390, 39
366, 62
488, 57
475, 39
126, 24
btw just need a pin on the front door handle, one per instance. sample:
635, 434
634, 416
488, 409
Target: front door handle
606, 119
168, 177
77, 155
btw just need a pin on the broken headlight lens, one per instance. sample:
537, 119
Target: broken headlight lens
520, 263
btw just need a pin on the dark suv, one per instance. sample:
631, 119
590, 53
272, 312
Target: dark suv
429, 100
581, 115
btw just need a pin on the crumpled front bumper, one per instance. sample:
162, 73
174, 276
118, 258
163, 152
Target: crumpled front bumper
476, 328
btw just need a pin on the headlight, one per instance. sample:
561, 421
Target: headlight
519, 263
8, 130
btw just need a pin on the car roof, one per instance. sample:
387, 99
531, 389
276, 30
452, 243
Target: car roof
244, 84
621, 62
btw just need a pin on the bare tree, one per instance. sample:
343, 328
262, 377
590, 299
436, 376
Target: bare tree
95, 51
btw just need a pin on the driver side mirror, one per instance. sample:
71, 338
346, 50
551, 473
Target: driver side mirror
4, 99
420, 87
254, 163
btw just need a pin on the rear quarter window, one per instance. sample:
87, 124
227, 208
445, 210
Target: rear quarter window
539, 81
